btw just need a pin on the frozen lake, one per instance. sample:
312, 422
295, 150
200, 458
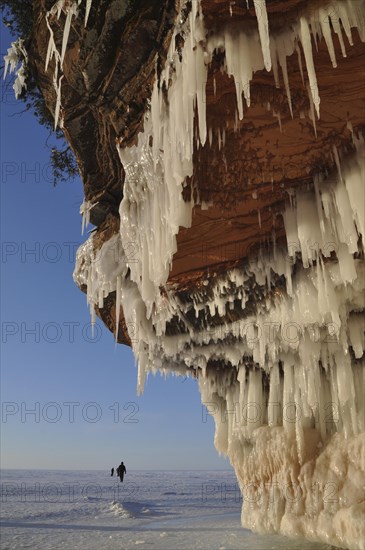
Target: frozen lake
159, 510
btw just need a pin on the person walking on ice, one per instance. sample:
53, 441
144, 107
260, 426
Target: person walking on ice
121, 471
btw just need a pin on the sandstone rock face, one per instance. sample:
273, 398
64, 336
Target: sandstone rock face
221, 149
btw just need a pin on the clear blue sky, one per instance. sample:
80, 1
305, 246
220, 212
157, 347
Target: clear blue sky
82, 391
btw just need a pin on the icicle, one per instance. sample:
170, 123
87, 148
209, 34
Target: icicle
274, 59
93, 320
51, 48
277, 115
327, 33
308, 55
236, 121
66, 32
350, 128
118, 303
284, 68
142, 371
344, 15
87, 11
58, 102
337, 160
85, 208
201, 73
311, 113
300, 62
263, 24
337, 28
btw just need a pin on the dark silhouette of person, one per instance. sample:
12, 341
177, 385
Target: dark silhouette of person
121, 471
112, 472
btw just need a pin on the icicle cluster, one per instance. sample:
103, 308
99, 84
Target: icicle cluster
247, 53
315, 298
16, 55
152, 208
99, 271
70, 8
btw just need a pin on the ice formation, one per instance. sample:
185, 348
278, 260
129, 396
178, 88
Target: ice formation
70, 9
152, 209
16, 55
289, 403
85, 208
285, 382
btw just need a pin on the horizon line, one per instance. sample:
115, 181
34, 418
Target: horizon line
130, 469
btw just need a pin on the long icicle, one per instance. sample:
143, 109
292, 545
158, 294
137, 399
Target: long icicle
263, 24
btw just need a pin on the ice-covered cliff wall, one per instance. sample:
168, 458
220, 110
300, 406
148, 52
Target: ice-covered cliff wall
223, 164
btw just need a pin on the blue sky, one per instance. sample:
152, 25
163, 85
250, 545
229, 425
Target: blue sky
69, 400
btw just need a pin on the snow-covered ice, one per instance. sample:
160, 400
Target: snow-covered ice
151, 509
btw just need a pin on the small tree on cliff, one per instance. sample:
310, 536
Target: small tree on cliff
17, 15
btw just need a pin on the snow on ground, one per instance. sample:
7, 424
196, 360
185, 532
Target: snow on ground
51, 509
